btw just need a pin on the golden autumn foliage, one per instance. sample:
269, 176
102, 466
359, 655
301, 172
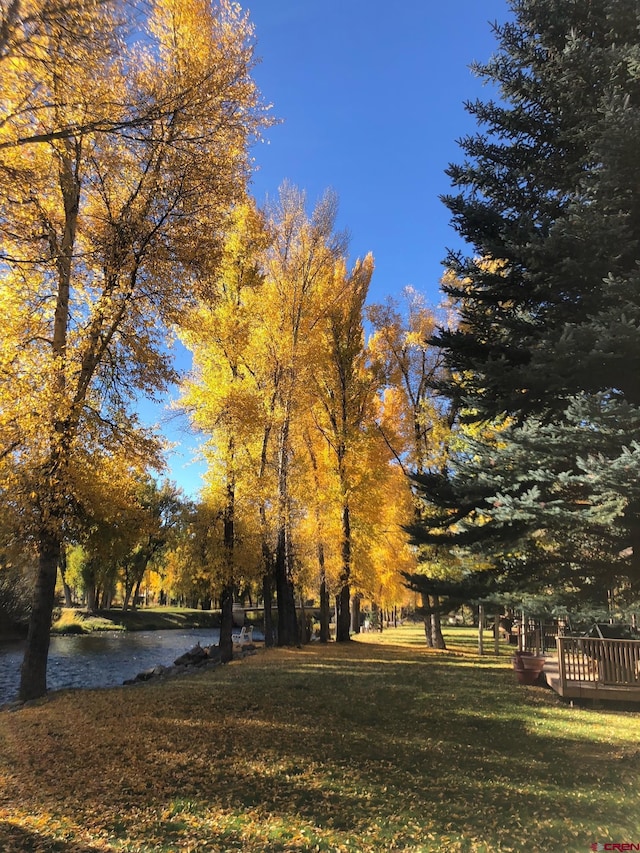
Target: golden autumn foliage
415, 423
286, 392
124, 132
97, 225
224, 400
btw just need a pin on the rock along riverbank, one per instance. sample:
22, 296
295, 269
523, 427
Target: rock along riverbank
198, 657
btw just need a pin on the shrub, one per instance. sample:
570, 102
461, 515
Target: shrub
15, 598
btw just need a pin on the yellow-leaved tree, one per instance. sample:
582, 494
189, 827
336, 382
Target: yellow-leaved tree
381, 505
298, 264
415, 423
345, 391
287, 395
123, 144
224, 399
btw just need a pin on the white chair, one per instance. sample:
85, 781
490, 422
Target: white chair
244, 638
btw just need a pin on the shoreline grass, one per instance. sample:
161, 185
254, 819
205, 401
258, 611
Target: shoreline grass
379, 744
78, 621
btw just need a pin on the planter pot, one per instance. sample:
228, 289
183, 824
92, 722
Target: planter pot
527, 667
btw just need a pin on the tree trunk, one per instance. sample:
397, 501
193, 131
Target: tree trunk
267, 584
343, 617
432, 622
355, 614
324, 594
287, 621
436, 625
90, 592
128, 590
136, 594
63, 573
33, 675
324, 611
267, 613
267, 555
496, 633
376, 617
107, 596
229, 542
226, 623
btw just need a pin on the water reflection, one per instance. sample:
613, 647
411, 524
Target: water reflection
101, 659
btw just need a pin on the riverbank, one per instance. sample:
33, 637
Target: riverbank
102, 658
375, 745
78, 621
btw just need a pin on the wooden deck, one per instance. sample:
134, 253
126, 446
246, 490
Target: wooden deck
589, 668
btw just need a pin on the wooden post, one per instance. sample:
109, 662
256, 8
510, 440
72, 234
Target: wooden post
480, 628
562, 671
523, 631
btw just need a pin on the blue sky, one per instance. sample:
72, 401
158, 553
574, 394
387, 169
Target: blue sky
370, 96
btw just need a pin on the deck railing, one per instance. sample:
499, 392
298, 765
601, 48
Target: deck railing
606, 662
540, 639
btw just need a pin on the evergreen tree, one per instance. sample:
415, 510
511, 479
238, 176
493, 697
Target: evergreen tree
549, 193
548, 342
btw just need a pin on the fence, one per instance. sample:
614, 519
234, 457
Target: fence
538, 637
597, 661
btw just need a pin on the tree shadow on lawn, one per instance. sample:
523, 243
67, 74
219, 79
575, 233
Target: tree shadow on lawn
470, 786
444, 765
473, 770
379, 746
17, 839
453, 729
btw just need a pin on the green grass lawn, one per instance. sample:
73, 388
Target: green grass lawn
376, 745
76, 621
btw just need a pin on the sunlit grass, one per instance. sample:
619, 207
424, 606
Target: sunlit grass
73, 621
158, 618
377, 745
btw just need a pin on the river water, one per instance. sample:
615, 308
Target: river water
103, 659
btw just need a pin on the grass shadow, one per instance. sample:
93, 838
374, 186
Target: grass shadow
18, 839
360, 747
